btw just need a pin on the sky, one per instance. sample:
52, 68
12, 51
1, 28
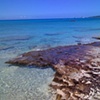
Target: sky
27, 9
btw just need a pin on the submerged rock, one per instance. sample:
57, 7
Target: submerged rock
6, 47
77, 69
14, 38
53, 34
97, 37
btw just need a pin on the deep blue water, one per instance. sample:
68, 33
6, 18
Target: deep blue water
19, 36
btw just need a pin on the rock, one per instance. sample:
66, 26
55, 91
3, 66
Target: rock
96, 38
50, 56
76, 77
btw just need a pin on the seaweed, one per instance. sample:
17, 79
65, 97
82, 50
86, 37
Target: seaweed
77, 69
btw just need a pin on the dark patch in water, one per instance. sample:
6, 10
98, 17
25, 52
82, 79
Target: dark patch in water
53, 34
73, 20
86, 30
95, 44
33, 46
14, 38
6, 47
98, 38
78, 37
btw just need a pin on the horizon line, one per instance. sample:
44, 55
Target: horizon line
48, 18
43, 18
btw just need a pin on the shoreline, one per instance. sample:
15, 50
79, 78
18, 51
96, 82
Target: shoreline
77, 69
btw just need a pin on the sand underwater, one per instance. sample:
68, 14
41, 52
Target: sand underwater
22, 83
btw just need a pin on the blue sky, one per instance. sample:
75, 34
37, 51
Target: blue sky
19, 9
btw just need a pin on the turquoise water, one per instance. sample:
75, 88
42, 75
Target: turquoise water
19, 36
49, 32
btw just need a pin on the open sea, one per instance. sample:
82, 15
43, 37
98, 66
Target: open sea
19, 36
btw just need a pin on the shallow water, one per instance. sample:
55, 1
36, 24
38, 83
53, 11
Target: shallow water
23, 83
19, 36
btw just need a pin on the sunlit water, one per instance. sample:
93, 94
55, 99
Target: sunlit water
19, 36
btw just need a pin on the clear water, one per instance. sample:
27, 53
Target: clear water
19, 36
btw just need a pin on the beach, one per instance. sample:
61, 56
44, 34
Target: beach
21, 36
76, 69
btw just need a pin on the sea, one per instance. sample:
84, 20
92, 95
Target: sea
20, 36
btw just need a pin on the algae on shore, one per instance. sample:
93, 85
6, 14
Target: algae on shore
77, 69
